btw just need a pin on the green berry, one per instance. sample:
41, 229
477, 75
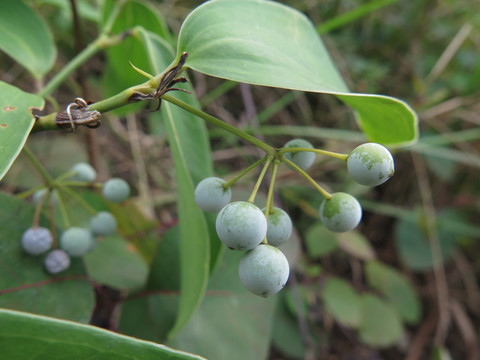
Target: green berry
83, 172
103, 224
241, 225
370, 164
76, 241
342, 212
279, 227
40, 193
211, 196
116, 190
37, 240
303, 159
56, 261
264, 270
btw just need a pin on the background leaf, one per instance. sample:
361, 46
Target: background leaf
342, 302
26, 38
267, 43
55, 339
24, 283
16, 121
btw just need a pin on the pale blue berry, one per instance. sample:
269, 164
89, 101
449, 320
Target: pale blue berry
37, 240
264, 270
241, 225
211, 196
116, 190
279, 227
83, 172
342, 212
370, 164
76, 241
103, 224
42, 192
303, 159
56, 261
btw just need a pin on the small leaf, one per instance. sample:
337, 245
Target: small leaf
16, 121
270, 44
396, 287
320, 241
342, 302
355, 244
49, 338
26, 37
24, 284
380, 324
114, 263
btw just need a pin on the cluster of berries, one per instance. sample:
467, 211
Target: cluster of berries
74, 241
241, 225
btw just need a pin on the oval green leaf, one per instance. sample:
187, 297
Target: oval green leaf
16, 122
270, 44
26, 37
397, 289
49, 338
342, 302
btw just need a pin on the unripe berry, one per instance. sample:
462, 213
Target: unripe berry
342, 212
103, 224
279, 227
76, 241
56, 261
264, 270
116, 190
303, 159
42, 192
370, 164
241, 225
37, 240
211, 196
83, 172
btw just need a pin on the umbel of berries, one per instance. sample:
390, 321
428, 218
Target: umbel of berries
370, 164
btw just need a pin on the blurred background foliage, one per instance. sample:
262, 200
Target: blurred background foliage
404, 285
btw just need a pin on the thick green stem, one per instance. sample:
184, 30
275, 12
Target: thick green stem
340, 156
260, 179
214, 121
322, 191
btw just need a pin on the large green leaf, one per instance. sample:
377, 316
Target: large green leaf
26, 37
27, 336
188, 141
267, 43
24, 284
16, 121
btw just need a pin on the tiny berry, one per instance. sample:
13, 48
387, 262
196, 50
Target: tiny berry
37, 240
56, 261
83, 172
264, 270
211, 196
342, 212
279, 227
241, 225
76, 241
103, 224
303, 159
116, 190
370, 164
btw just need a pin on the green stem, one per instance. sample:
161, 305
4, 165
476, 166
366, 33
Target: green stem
322, 191
78, 198
40, 168
271, 188
260, 178
340, 156
214, 121
63, 210
243, 173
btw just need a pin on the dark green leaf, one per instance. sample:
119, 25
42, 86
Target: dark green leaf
26, 38
53, 339
16, 121
267, 43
